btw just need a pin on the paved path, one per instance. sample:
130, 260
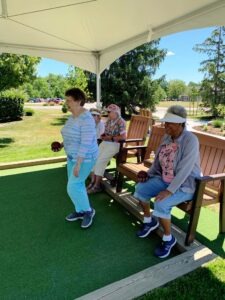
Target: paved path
160, 111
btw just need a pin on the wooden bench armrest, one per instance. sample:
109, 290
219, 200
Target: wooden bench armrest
135, 147
208, 178
134, 140
122, 155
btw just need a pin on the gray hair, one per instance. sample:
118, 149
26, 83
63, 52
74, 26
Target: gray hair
177, 110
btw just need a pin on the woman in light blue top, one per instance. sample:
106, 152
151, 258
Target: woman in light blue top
80, 144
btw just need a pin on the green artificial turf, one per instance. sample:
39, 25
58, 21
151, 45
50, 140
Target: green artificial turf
207, 230
44, 257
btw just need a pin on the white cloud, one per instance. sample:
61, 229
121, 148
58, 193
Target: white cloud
170, 53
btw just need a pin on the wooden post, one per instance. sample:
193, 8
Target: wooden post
195, 212
222, 206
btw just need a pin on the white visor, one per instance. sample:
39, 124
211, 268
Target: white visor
171, 118
95, 113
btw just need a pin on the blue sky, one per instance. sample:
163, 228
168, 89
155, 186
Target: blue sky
181, 61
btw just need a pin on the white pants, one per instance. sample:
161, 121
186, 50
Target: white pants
106, 151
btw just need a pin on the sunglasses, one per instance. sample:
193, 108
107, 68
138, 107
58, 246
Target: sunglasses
94, 115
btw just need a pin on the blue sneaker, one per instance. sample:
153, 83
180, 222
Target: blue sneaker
147, 228
88, 217
75, 216
164, 249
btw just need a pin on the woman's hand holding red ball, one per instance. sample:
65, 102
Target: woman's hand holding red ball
56, 146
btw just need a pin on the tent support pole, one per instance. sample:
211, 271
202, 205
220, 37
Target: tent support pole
98, 82
98, 89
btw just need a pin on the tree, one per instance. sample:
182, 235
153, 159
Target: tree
57, 84
29, 89
123, 81
47, 87
164, 83
193, 90
77, 78
16, 70
213, 84
42, 88
176, 88
159, 94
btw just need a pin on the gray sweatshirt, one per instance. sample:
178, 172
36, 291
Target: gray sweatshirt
186, 162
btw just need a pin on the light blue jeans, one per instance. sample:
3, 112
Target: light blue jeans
76, 185
151, 188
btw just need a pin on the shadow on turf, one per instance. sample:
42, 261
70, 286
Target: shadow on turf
215, 245
60, 121
4, 142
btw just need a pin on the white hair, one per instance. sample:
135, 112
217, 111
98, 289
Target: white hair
178, 110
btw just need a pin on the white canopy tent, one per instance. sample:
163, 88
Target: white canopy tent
91, 34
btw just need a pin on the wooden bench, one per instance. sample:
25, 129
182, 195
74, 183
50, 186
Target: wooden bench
210, 188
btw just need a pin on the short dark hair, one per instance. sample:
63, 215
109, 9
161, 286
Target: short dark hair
77, 95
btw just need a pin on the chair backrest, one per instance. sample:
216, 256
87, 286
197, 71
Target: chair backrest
138, 128
145, 112
212, 156
155, 139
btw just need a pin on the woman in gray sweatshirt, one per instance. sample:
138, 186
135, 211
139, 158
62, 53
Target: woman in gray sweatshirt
171, 178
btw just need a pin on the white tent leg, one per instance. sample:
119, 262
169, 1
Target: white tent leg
98, 91
98, 82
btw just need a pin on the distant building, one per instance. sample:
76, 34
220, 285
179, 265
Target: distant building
184, 98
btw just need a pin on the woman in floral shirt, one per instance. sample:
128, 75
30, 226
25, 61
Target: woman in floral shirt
115, 131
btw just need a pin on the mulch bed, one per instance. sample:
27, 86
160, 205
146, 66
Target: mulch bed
211, 130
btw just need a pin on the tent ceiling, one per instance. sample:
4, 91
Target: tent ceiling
91, 34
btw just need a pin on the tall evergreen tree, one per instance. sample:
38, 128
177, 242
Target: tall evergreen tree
213, 84
128, 80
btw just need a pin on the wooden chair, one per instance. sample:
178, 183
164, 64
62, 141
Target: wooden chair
130, 169
145, 112
136, 135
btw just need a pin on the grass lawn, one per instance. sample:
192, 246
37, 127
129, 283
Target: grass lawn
205, 283
31, 137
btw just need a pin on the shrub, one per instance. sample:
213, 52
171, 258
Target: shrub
205, 127
11, 104
217, 123
64, 108
15, 94
28, 112
11, 109
220, 110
